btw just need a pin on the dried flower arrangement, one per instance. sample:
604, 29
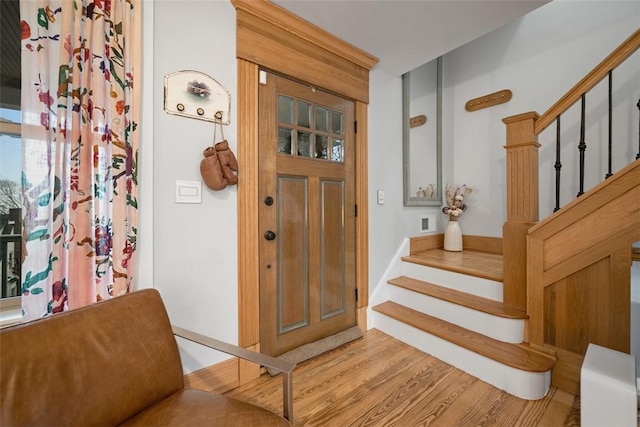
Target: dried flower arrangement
456, 195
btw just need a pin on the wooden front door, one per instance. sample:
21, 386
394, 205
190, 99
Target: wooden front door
307, 214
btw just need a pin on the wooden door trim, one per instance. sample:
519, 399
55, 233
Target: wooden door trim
277, 40
301, 29
362, 219
248, 197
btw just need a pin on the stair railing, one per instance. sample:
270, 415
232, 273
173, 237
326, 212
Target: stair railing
523, 164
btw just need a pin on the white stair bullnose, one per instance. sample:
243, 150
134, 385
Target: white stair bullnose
500, 328
522, 384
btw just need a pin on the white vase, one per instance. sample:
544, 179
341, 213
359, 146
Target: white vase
453, 237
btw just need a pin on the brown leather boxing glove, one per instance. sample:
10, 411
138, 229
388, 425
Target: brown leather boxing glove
228, 162
211, 170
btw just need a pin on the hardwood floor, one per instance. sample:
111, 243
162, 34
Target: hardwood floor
380, 381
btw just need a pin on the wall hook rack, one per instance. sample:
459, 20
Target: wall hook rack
416, 121
196, 95
488, 100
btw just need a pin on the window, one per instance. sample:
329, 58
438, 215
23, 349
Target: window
10, 206
10, 156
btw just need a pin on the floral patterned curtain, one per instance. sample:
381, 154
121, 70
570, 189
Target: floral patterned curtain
80, 151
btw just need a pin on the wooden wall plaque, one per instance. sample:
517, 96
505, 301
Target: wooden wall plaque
488, 100
417, 121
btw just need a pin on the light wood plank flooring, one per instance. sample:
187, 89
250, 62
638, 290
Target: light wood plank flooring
380, 381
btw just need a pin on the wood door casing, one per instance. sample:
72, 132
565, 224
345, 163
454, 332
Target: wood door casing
307, 272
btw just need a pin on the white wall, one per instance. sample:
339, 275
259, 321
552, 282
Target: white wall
194, 256
144, 266
195, 245
390, 223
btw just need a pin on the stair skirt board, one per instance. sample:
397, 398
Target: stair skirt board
462, 282
522, 384
380, 292
499, 328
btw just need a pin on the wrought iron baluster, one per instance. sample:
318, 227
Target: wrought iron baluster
582, 146
557, 165
638, 105
610, 122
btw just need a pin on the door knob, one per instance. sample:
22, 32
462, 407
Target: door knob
268, 200
269, 235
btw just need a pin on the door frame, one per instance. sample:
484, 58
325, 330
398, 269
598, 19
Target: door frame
270, 37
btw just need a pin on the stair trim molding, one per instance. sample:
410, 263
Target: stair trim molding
475, 302
486, 288
508, 330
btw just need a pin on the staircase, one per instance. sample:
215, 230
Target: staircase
570, 271
449, 304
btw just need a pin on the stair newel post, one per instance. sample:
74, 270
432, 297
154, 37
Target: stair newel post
522, 204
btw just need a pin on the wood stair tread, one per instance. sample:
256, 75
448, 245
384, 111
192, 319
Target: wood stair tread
485, 305
474, 263
517, 356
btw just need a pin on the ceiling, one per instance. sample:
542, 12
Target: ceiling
406, 34
402, 34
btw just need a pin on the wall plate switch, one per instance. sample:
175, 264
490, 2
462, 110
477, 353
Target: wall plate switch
188, 191
381, 197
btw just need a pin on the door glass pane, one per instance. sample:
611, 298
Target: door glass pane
321, 146
304, 114
322, 119
336, 122
285, 109
304, 144
284, 140
337, 150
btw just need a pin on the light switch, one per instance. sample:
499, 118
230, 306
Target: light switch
381, 197
188, 191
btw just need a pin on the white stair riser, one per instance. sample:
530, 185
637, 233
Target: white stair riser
499, 328
470, 284
522, 384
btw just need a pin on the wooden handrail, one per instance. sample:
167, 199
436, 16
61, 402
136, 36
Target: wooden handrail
618, 56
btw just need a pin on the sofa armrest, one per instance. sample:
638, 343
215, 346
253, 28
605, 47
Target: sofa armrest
282, 366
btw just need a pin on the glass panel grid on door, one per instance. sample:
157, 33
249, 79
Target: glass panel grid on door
309, 130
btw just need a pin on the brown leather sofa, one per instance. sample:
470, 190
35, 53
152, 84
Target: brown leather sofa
115, 363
